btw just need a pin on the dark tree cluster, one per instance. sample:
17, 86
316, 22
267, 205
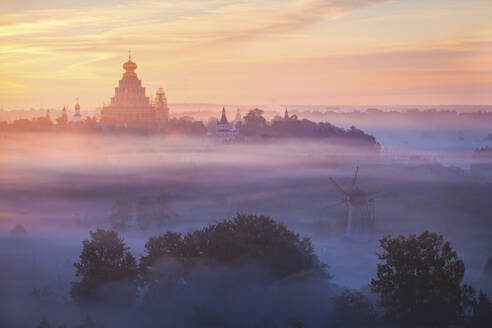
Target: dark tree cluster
182, 126
256, 125
108, 270
244, 240
418, 282
186, 126
353, 309
45, 124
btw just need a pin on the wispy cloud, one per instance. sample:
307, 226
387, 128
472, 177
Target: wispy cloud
198, 39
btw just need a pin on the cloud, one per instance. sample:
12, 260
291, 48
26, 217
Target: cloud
212, 43
148, 23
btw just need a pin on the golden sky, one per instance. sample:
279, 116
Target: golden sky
329, 52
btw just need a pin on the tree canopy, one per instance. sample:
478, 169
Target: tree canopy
257, 125
104, 260
352, 309
245, 239
419, 281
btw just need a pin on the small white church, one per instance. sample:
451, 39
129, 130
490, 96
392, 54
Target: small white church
225, 130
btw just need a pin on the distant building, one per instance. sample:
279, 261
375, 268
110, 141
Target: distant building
131, 107
226, 130
63, 119
77, 118
161, 109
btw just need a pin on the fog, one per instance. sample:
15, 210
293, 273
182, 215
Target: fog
60, 186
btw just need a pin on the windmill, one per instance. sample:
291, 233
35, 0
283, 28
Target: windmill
361, 213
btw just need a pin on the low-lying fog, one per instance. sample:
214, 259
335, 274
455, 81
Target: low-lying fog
61, 186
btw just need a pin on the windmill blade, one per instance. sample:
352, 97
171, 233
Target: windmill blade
338, 186
354, 179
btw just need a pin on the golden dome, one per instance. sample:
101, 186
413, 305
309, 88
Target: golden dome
129, 66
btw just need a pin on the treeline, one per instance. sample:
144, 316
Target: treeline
253, 261
181, 126
256, 125
253, 124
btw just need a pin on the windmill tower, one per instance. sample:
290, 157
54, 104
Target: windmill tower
361, 213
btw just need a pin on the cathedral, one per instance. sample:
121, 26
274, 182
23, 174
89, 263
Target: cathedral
130, 107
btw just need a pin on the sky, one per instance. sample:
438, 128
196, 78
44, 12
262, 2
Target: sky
271, 52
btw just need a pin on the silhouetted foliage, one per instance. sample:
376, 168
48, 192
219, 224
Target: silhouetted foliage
245, 239
254, 123
482, 312
107, 268
419, 281
352, 309
186, 126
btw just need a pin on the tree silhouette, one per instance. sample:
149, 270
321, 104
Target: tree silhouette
482, 312
419, 281
105, 262
352, 309
246, 239
255, 123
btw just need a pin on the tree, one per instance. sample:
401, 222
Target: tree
255, 123
121, 215
244, 240
419, 281
482, 312
107, 268
352, 309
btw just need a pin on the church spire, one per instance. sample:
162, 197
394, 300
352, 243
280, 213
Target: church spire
223, 119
